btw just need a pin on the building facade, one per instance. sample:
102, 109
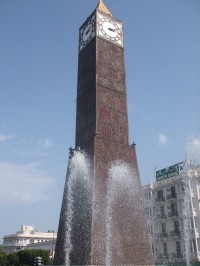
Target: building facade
26, 237
173, 211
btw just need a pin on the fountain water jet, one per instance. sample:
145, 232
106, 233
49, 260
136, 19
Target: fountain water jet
192, 159
186, 219
78, 182
120, 182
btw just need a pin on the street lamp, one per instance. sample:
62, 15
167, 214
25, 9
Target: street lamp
52, 231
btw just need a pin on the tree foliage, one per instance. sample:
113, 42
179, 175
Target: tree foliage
3, 258
24, 257
13, 259
27, 256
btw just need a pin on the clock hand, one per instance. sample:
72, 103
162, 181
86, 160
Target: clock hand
112, 29
87, 31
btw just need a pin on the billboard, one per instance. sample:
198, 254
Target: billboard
170, 171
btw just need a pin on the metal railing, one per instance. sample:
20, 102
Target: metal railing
175, 233
162, 235
163, 256
177, 255
159, 199
172, 196
161, 216
173, 214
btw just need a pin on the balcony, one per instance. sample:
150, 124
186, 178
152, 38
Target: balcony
160, 199
173, 214
162, 235
163, 256
195, 231
175, 233
177, 255
195, 255
182, 193
161, 216
171, 196
194, 212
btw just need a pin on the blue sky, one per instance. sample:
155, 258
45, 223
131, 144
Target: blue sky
38, 78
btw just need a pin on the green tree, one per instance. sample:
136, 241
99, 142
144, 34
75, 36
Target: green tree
3, 258
13, 259
26, 257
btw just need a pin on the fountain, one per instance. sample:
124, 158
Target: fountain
121, 192
122, 188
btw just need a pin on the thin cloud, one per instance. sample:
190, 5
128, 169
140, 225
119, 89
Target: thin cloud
163, 139
5, 138
24, 183
45, 143
31, 153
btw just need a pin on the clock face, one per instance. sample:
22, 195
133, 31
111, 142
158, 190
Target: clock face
110, 29
87, 32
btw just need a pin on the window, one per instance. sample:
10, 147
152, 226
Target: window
178, 248
176, 226
163, 226
147, 195
153, 248
173, 207
173, 190
182, 186
151, 229
162, 210
165, 251
160, 194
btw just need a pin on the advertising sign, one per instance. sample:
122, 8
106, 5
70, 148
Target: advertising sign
170, 171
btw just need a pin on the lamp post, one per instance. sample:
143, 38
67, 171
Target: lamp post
53, 246
52, 231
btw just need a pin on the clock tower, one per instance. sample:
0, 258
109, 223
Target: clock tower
102, 133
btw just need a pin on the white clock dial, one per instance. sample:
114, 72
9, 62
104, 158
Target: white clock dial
109, 29
87, 32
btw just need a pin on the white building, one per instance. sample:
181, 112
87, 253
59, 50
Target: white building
27, 236
173, 210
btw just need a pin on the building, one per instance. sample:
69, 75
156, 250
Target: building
102, 133
26, 237
173, 211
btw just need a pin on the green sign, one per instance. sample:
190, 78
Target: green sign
170, 171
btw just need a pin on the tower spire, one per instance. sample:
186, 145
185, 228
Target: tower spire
101, 7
